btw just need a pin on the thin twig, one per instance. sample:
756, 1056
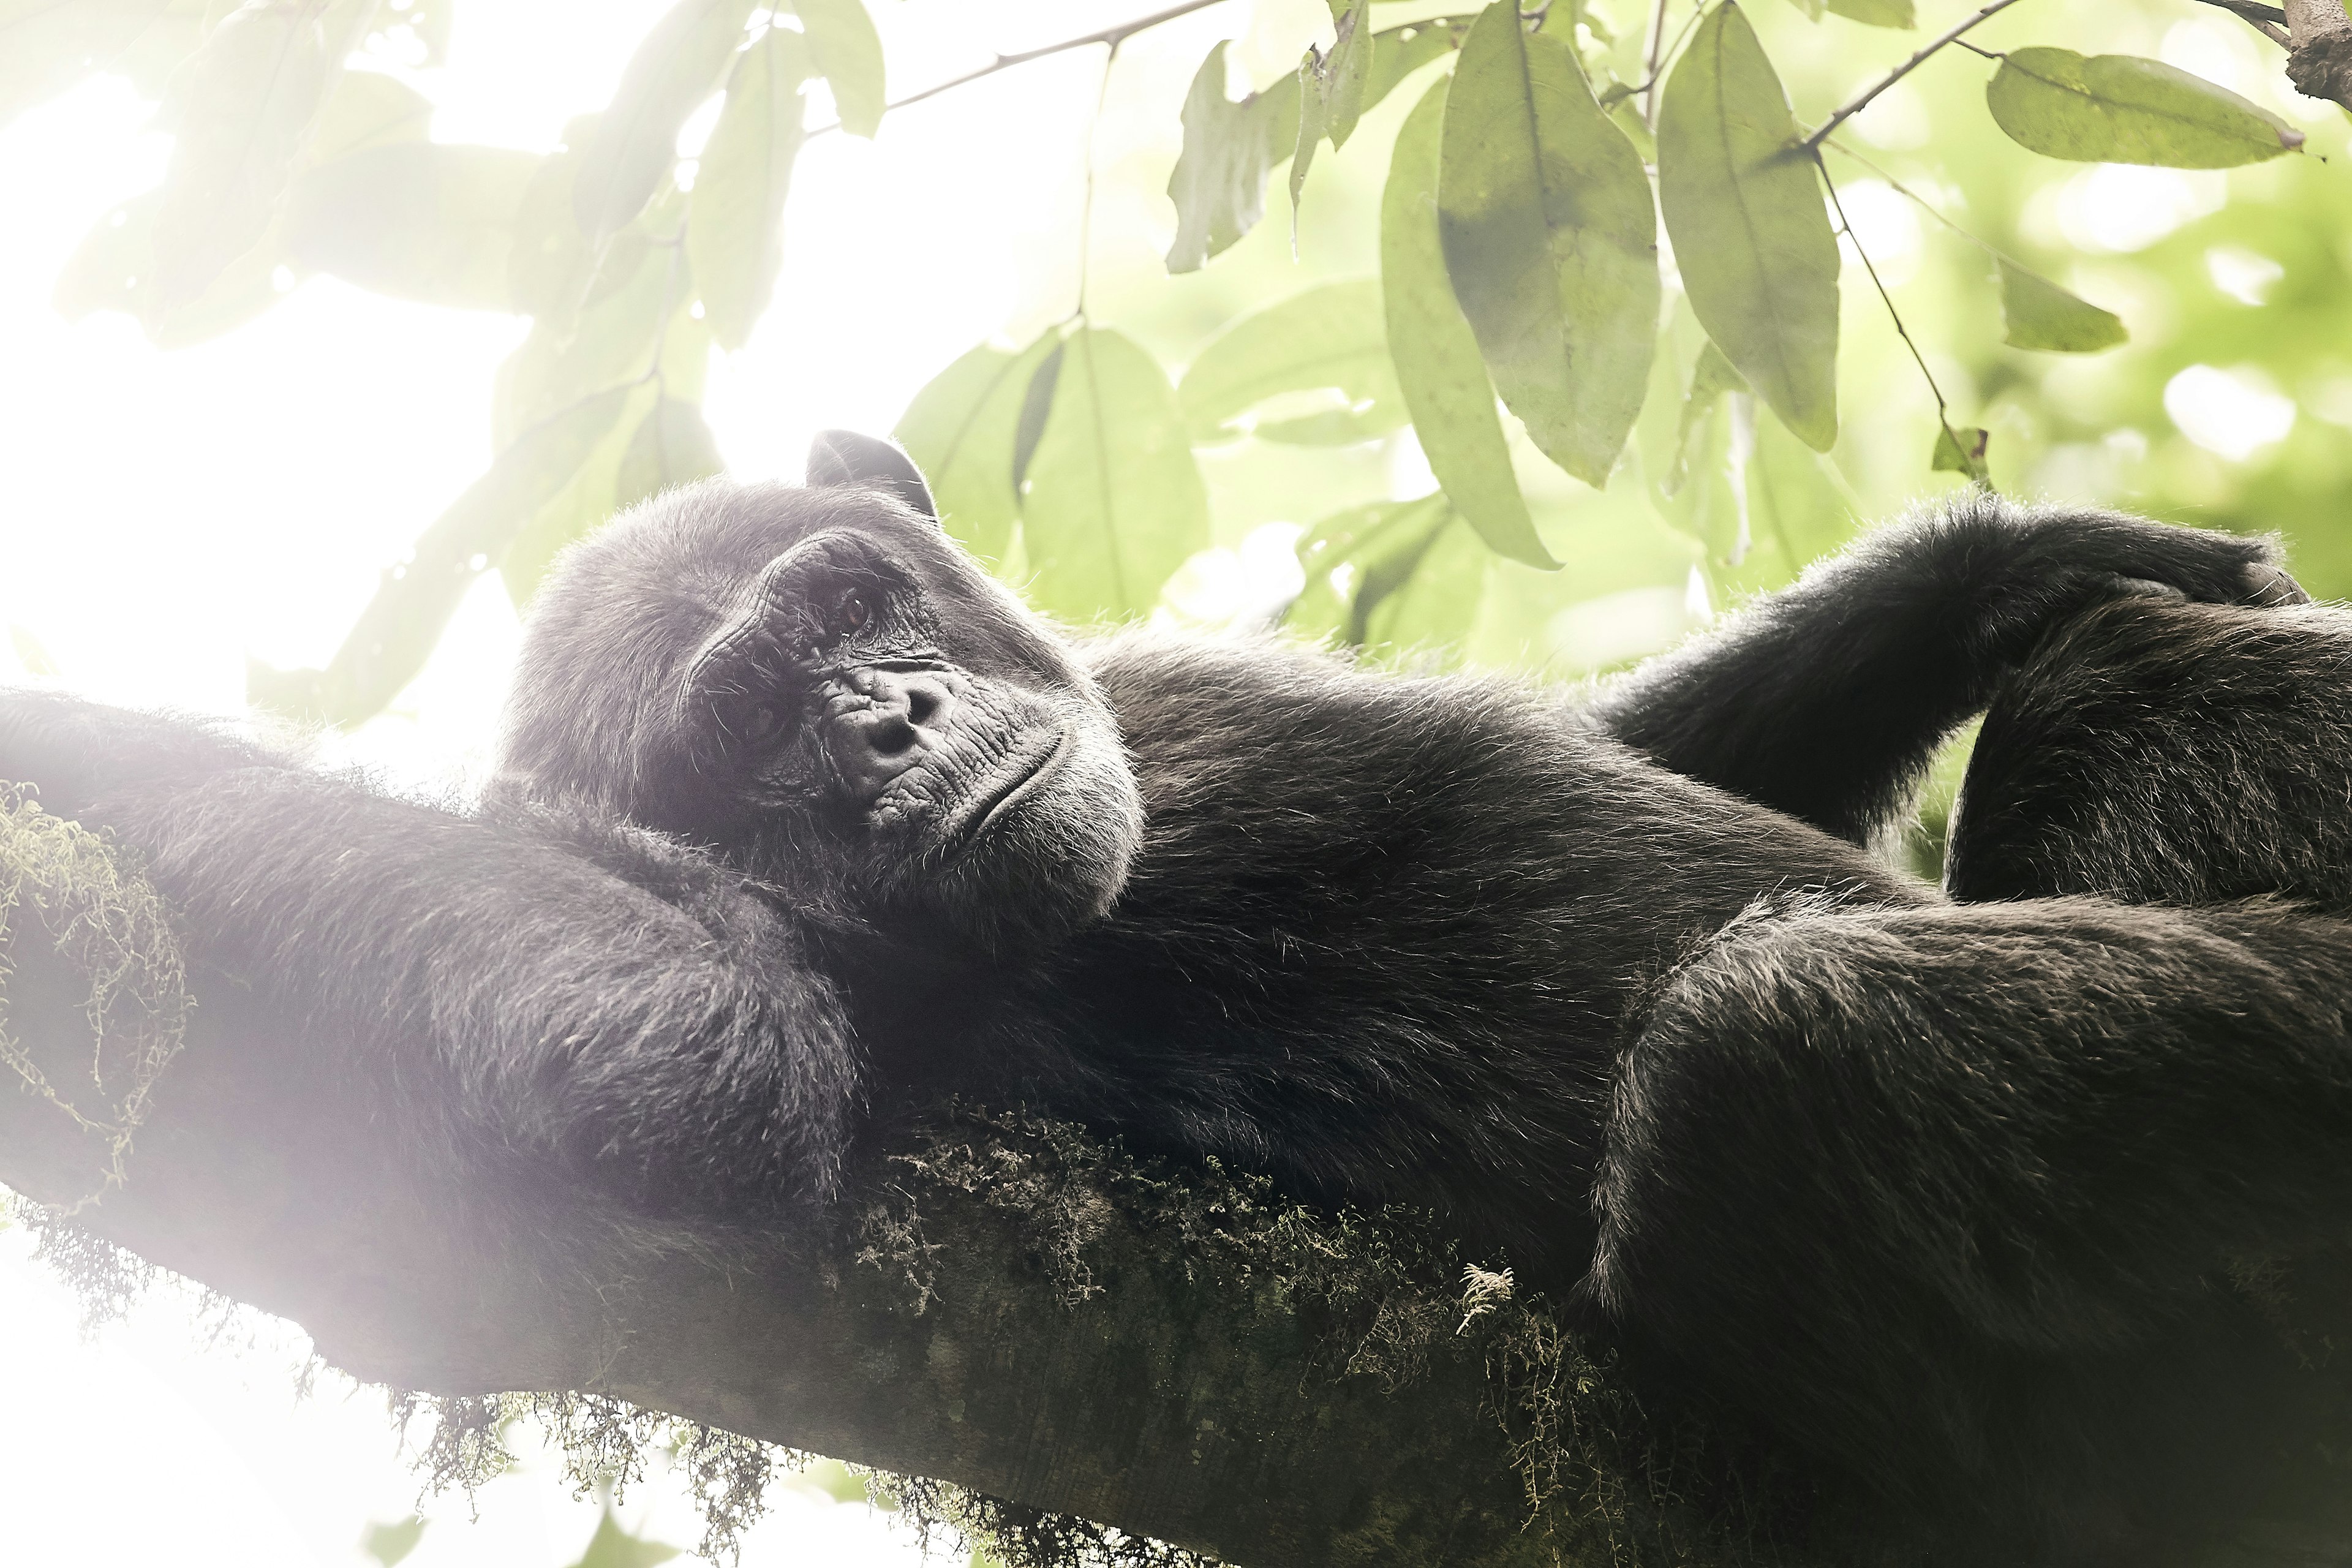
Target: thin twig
2267, 20
1087, 211
1650, 56
1862, 99
1845, 226
1113, 35
1925, 206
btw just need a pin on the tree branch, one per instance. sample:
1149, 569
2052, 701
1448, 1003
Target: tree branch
2267, 20
1862, 99
1114, 36
2319, 49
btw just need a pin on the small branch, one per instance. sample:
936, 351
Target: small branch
1651, 54
1113, 35
1862, 99
2267, 20
2319, 49
1846, 227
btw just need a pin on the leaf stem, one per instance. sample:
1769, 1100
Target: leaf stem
2267, 20
1651, 54
1114, 36
1862, 99
1845, 226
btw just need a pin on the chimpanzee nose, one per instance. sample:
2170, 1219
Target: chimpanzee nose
884, 724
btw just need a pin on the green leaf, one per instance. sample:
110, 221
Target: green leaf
1355, 559
1436, 356
1876, 13
1711, 377
735, 217
113, 268
613, 1547
1811, 8
1701, 489
1331, 88
633, 144
31, 654
1440, 600
672, 446
1750, 233
1219, 182
849, 55
420, 220
1326, 349
243, 109
389, 1543
1401, 51
1961, 451
635, 325
2118, 109
46, 45
1113, 502
2041, 315
1550, 241
961, 430
390, 641
368, 109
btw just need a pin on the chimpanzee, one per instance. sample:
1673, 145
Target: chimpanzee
801, 821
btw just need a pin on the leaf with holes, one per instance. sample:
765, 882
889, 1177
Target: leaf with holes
1438, 369
2118, 109
1551, 242
2041, 315
1751, 234
1313, 368
113, 268
634, 143
734, 218
1331, 88
962, 430
847, 53
1114, 502
1219, 181
1961, 451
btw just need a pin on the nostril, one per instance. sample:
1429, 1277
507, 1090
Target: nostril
890, 735
923, 705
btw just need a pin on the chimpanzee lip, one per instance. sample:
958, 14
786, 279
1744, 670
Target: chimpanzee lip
1023, 774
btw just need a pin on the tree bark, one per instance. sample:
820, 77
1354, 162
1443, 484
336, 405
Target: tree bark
1007, 1306
2319, 49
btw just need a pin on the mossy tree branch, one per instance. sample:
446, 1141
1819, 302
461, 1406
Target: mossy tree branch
1008, 1307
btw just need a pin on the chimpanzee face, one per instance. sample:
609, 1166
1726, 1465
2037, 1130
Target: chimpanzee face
819, 685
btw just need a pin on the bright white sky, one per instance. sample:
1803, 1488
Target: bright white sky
166, 515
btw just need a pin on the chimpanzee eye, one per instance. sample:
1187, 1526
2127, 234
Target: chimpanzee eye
852, 613
761, 723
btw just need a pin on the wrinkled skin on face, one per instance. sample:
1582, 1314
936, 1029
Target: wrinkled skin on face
816, 684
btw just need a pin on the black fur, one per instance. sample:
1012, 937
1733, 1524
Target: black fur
803, 821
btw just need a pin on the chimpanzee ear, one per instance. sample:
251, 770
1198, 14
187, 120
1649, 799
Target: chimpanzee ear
846, 458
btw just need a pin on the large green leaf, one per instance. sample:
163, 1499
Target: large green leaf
46, 45
420, 220
734, 219
1702, 490
633, 328
1436, 356
634, 143
1219, 181
2041, 315
1113, 502
1550, 241
1876, 13
1323, 354
849, 55
672, 446
2118, 109
243, 109
390, 641
961, 430
1751, 235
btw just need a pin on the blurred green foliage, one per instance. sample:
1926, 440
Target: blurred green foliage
2108, 232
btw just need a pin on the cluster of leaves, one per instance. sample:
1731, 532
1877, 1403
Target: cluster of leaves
1523, 300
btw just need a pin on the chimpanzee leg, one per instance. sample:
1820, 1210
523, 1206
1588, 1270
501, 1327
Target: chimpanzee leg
1947, 1198
2168, 753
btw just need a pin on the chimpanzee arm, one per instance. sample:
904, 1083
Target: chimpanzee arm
578, 988
1828, 698
1894, 1182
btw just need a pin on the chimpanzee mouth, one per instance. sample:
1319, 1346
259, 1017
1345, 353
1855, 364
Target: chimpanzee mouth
1023, 774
